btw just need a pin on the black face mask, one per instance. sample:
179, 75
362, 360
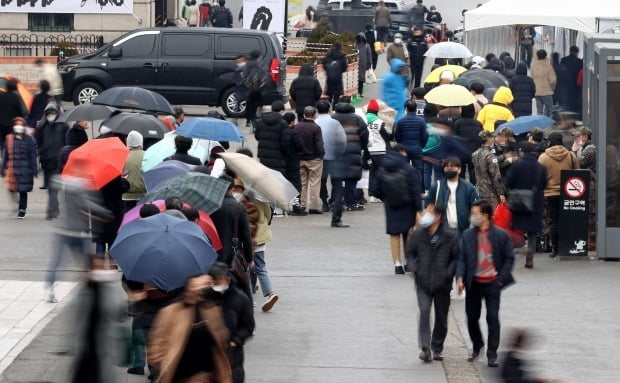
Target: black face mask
451, 174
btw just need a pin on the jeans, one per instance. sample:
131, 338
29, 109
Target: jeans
138, 346
441, 300
490, 292
77, 244
349, 192
52, 192
544, 105
428, 172
23, 201
260, 268
552, 204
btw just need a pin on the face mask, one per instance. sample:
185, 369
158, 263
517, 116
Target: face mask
240, 65
51, 117
19, 129
238, 196
397, 41
475, 221
220, 288
450, 174
427, 220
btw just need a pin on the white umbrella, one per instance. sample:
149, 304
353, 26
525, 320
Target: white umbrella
448, 50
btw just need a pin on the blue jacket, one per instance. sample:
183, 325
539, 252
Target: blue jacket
466, 195
410, 132
393, 88
503, 256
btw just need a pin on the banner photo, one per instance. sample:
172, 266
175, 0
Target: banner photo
66, 6
264, 15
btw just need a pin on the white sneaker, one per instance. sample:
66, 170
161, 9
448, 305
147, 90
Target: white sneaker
49, 295
374, 200
271, 300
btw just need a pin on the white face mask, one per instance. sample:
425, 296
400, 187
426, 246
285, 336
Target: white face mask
427, 220
240, 65
103, 275
397, 41
19, 129
51, 117
238, 196
220, 288
475, 221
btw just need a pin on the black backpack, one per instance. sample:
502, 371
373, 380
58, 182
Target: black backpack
333, 71
395, 187
220, 18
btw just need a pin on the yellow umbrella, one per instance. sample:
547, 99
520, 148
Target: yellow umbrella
450, 95
434, 75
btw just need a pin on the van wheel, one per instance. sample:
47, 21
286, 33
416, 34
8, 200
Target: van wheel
230, 105
86, 92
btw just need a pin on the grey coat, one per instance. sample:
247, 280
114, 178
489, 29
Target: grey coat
365, 57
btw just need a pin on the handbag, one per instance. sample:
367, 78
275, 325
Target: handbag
239, 266
521, 201
378, 46
371, 78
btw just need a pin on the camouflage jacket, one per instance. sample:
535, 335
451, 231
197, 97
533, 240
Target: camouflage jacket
488, 178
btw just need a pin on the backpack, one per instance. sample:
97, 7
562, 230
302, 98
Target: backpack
332, 70
395, 187
255, 80
220, 18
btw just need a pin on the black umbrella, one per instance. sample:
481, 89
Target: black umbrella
145, 124
489, 78
135, 98
88, 112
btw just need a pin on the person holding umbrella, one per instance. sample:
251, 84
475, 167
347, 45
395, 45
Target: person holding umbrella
133, 171
183, 145
75, 137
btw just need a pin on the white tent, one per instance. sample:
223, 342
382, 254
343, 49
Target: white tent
590, 16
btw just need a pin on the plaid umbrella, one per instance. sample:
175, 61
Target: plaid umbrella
197, 189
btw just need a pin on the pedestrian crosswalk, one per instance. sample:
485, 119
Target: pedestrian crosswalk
24, 313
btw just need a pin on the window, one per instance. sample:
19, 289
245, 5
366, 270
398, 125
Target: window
138, 46
233, 46
50, 22
183, 44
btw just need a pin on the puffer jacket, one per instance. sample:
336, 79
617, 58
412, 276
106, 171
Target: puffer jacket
410, 131
269, 134
20, 164
305, 89
497, 110
523, 89
356, 131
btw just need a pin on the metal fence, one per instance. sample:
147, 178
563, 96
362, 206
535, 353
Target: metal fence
60, 45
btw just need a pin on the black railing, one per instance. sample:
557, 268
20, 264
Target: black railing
68, 45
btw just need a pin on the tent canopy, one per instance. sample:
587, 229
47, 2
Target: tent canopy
571, 14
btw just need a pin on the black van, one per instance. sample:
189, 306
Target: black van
188, 66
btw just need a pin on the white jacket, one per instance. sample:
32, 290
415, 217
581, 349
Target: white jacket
374, 136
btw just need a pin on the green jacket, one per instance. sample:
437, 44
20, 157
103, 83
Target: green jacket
137, 189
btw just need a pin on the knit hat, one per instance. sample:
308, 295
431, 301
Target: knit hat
373, 106
398, 36
134, 139
477, 60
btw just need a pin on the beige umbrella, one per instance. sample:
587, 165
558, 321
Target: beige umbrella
268, 184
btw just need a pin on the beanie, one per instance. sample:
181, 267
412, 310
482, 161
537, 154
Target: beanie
373, 106
134, 139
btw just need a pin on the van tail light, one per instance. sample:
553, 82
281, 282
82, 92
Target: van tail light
274, 68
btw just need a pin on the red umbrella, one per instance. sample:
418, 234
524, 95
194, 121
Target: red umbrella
97, 161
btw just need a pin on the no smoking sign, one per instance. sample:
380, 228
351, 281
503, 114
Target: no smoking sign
575, 187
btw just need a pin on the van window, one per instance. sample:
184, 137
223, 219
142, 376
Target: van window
184, 44
233, 46
138, 46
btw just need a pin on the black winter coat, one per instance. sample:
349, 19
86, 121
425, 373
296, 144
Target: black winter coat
400, 219
292, 146
11, 106
417, 46
75, 137
37, 110
112, 196
528, 174
224, 221
305, 89
238, 313
433, 264
270, 135
356, 131
50, 140
467, 129
335, 86
24, 160
523, 90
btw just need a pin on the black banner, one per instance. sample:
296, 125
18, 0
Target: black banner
574, 208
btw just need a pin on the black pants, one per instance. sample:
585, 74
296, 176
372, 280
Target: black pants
416, 75
552, 204
251, 105
333, 98
441, 301
375, 57
526, 54
382, 34
235, 356
337, 197
490, 292
53, 208
360, 87
469, 166
375, 164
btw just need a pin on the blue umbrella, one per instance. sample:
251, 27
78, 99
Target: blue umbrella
163, 172
210, 129
163, 251
524, 124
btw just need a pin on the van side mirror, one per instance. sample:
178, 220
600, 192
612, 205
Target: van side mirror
115, 53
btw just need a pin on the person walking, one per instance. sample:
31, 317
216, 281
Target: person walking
528, 174
398, 50
383, 20
454, 195
379, 135
11, 106
523, 90
193, 14
432, 250
483, 269
270, 134
416, 15
468, 128
76, 136
19, 165
393, 88
364, 61
497, 110
417, 47
254, 80
305, 90
489, 180
335, 64
238, 316
555, 159
40, 101
49, 73
222, 16
310, 160
560, 93
189, 338
526, 44
545, 80
371, 38
399, 186
133, 169
410, 132
573, 65
50, 141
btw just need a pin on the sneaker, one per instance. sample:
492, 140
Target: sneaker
326, 208
399, 270
271, 300
373, 200
340, 224
355, 207
315, 211
425, 355
49, 296
21, 214
136, 370
298, 211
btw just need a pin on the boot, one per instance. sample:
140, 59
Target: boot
529, 260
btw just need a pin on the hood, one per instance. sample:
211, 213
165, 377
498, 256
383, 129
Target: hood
51, 107
306, 70
76, 136
396, 65
557, 153
271, 118
343, 107
521, 69
503, 96
393, 161
360, 37
371, 117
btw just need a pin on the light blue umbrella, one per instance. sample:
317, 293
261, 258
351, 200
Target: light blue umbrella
163, 149
210, 129
524, 124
